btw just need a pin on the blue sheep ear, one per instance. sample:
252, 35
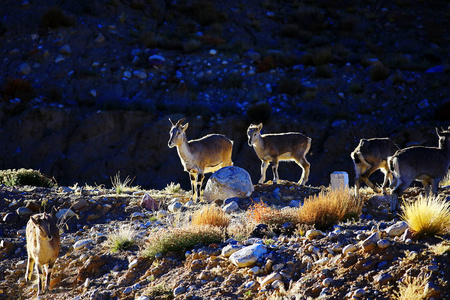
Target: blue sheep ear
260, 126
171, 122
185, 126
33, 219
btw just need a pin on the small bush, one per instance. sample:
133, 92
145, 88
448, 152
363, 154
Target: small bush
240, 231
310, 18
121, 239
261, 213
412, 288
379, 72
55, 18
180, 239
427, 216
211, 215
173, 188
326, 209
25, 177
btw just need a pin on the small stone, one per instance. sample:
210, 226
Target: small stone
24, 69
133, 264
230, 249
423, 104
397, 229
383, 244
255, 270
24, 211
270, 278
65, 213
149, 203
127, 74
327, 282
100, 38
175, 206
431, 290
231, 207
371, 242
156, 61
140, 74
127, 290
313, 233
143, 298
359, 293
65, 50
295, 203
59, 59
162, 213
212, 52
248, 256
81, 244
179, 290
383, 278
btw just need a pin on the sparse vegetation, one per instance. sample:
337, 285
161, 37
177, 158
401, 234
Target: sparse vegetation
427, 216
211, 215
326, 209
261, 213
173, 188
25, 177
121, 239
412, 288
180, 239
121, 186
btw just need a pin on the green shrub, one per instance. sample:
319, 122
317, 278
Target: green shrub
121, 239
25, 177
180, 239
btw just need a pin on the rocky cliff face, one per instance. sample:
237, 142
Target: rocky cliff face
79, 145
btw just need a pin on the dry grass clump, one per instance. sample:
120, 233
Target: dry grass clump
240, 230
326, 209
427, 215
121, 239
122, 186
180, 239
261, 213
441, 248
412, 288
211, 215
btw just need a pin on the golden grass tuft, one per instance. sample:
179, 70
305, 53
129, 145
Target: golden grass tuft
427, 215
326, 209
411, 288
180, 239
261, 213
211, 215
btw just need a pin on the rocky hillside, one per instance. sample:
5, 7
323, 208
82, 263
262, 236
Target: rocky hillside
86, 87
370, 257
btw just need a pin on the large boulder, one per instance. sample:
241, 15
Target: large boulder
228, 182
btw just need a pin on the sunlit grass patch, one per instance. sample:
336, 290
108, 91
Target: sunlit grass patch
427, 215
261, 213
412, 288
180, 239
122, 186
211, 215
326, 209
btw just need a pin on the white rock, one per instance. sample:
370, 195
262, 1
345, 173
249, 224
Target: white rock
212, 52
313, 233
81, 243
270, 278
371, 242
397, 229
24, 69
175, 206
230, 249
231, 207
139, 74
383, 244
228, 182
162, 213
127, 74
248, 256
339, 180
65, 49
65, 213
349, 248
